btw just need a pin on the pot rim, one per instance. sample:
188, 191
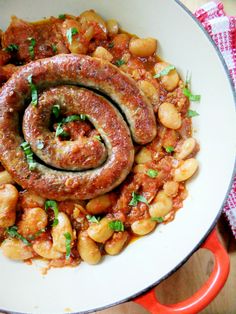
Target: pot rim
184, 260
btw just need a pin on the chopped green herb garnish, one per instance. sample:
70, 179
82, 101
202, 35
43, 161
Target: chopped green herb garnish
12, 48
71, 32
93, 219
137, 198
60, 131
83, 116
67, 235
152, 173
119, 62
29, 155
116, 225
13, 233
34, 92
73, 117
111, 45
37, 234
56, 111
192, 113
191, 97
61, 16
54, 48
187, 91
158, 219
31, 47
40, 145
169, 149
53, 205
98, 137
165, 71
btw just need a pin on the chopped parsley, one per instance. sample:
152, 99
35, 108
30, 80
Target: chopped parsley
37, 234
29, 155
98, 137
165, 71
53, 205
116, 225
12, 48
158, 219
31, 47
60, 131
111, 45
70, 33
187, 92
137, 198
192, 113
34, 92
67, 235
54, 48
13, 233
62, 16
152, 173
93, 219
83, 116
169, 149
56, 111
74, 117
190, 96
119, 62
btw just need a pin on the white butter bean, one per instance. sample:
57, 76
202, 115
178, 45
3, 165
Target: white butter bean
99, 205
143, 47
5, 178
8, 201
58, 232
100, 232
32, 221
186, 170
115, 244
112, 27
92, 16
186, 148
15, 249
103, 53
149, 90
88, 249
31, 200
45, 249
161, 205
142, 227
169, 81
143, 156
171, 188
169, 116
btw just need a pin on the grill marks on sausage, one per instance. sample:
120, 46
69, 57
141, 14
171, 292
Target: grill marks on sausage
90, 72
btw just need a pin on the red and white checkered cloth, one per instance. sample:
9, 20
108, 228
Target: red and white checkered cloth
222, 29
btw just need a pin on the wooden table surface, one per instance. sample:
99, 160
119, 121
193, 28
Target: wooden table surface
199, 266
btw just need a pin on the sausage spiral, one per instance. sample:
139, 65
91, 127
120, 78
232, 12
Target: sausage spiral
73, 70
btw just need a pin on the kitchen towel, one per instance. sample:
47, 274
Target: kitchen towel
222, 29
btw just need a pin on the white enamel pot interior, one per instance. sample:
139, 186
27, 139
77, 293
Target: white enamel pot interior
145, 262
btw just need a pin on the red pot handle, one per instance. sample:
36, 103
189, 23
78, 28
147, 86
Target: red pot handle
205, 295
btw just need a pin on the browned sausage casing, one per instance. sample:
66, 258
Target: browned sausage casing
89, 72
83, 152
